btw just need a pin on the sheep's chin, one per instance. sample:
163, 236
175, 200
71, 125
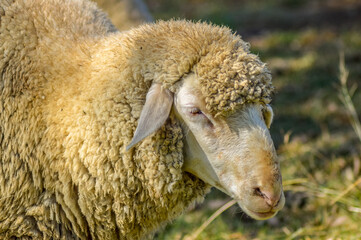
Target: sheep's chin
257, 215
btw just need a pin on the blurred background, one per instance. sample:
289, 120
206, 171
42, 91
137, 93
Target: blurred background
317, 105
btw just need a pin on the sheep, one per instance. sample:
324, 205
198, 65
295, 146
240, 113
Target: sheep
110, 135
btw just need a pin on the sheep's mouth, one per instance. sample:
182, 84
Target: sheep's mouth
261, 215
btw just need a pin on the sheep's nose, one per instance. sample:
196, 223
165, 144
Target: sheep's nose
271, 196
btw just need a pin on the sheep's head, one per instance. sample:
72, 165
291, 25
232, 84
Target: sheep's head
234, 153
222, 100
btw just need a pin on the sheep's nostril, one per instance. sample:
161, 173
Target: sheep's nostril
258, 192
272, 198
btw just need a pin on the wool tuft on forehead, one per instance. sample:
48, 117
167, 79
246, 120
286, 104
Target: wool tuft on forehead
230, 76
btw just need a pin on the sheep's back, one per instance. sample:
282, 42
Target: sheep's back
41, 44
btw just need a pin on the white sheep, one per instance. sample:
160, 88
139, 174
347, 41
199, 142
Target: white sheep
109, 135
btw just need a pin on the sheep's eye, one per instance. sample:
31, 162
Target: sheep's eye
195, 111
196, 115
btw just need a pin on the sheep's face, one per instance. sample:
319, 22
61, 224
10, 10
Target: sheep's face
233, 153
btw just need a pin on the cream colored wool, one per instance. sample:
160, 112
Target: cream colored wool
72, 89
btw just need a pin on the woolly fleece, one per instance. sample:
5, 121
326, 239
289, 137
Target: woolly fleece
72, 89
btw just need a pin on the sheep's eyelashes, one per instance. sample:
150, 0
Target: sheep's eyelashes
195, 111
196, 115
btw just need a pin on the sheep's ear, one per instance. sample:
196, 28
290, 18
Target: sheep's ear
154, 113
268, 115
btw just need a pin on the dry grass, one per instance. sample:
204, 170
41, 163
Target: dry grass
346, 97
199, 230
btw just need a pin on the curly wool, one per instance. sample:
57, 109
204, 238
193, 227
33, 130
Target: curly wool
236, 77
230, 76
72, 89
